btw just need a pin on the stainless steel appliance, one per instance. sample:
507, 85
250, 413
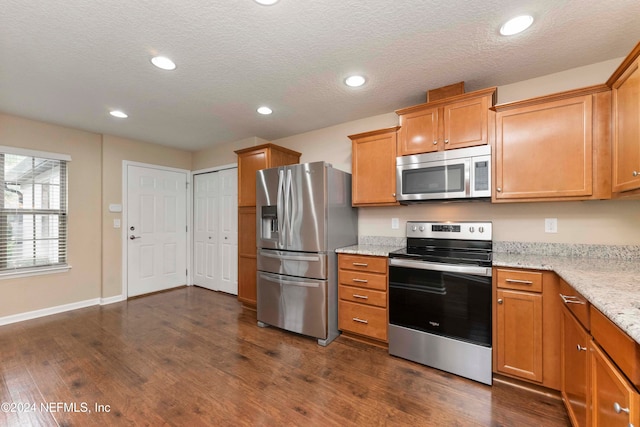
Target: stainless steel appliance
303, 214
440, 297
463, 173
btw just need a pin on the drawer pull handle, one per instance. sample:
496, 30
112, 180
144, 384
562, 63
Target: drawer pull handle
571, 299
520, 282
360, 280
580, 348
355, 319
360, 296
618, 408
360, 264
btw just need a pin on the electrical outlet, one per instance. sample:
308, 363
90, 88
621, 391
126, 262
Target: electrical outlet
551, 225
395, 223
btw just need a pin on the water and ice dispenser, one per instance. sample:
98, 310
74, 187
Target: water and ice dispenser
269, 227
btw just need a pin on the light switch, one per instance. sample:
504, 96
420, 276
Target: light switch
116, 223
551, 225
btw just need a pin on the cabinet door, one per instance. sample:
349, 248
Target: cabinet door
374, 170
575, 369
466, 123
545, 150
418, 132
615, 402
626, 130
247, 255
519, 334
248, 165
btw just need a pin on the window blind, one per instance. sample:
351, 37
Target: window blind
33, 210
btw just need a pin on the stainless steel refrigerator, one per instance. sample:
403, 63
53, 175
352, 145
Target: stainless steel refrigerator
303, 214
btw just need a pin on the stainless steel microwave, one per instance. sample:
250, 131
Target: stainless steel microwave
463, 173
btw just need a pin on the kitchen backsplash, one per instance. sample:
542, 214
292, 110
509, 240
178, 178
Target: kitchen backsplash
622, 252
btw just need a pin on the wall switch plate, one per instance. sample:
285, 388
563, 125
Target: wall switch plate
116, 223
551, 225
395, 223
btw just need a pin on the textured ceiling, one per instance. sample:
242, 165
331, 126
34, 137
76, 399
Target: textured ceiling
70, 62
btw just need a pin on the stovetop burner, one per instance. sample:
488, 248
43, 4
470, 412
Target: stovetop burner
450, 243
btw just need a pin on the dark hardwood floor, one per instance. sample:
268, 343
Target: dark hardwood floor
194, 357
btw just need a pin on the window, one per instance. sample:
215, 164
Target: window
33, 210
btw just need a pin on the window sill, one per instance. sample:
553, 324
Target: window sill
33, 272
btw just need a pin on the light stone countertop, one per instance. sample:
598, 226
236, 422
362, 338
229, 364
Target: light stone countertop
611, 285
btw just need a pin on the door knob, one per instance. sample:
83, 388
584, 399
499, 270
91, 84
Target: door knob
435, 142
132, 228
500, 301
132, 237
446, 141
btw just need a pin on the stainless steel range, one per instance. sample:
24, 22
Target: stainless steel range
440, 297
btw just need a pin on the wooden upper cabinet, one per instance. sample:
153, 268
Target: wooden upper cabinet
455, 122
625, 86
373, 167
554, 147
253, 159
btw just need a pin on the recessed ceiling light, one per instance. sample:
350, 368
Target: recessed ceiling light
265, 110
266, 2
119, 114
516, 25
354, 81
163, 62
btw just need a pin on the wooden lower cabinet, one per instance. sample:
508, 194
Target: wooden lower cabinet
362, 293
247, 291
575, 369
247, 256
526, 343
520, 334
614, 400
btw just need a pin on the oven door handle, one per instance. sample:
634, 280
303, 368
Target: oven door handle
449, 268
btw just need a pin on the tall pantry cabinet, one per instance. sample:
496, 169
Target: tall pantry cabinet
251, 160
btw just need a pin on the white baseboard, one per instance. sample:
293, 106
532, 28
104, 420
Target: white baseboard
59, 309
111, 300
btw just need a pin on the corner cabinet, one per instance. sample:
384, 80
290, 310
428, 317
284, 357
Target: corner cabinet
362, 291
555, 147
373, 167
625, 87
526, 335
455, 122
251, 160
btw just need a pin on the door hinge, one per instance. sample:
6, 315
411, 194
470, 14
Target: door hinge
186, 272
186, 228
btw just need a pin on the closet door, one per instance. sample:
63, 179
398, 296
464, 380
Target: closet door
215, 234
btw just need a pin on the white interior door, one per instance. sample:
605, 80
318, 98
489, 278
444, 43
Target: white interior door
157, 229
215, 233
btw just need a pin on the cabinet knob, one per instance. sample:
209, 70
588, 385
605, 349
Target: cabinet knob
499, 189
446, 141
393, 195
635, 173
500, 301
580, 348
618, 408
435, 142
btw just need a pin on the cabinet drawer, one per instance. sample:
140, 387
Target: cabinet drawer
520, 280
576, 303
363, 263
363, 280
363, 319
363, 296
624, 351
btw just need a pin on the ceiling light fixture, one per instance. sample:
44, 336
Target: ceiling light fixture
119, 114
163, 62
266, 2
516, 25
265, 110
354, 81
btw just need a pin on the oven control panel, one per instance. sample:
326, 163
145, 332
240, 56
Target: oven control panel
450, 230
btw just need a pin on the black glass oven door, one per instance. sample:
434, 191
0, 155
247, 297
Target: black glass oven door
451, 304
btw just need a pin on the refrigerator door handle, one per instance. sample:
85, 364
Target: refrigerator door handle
289, 282
288, 207
290, 257
280, 208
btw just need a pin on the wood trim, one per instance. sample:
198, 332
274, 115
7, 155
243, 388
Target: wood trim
635, 53
445, 92
589, 90
264, 146
441, 102
374, 133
